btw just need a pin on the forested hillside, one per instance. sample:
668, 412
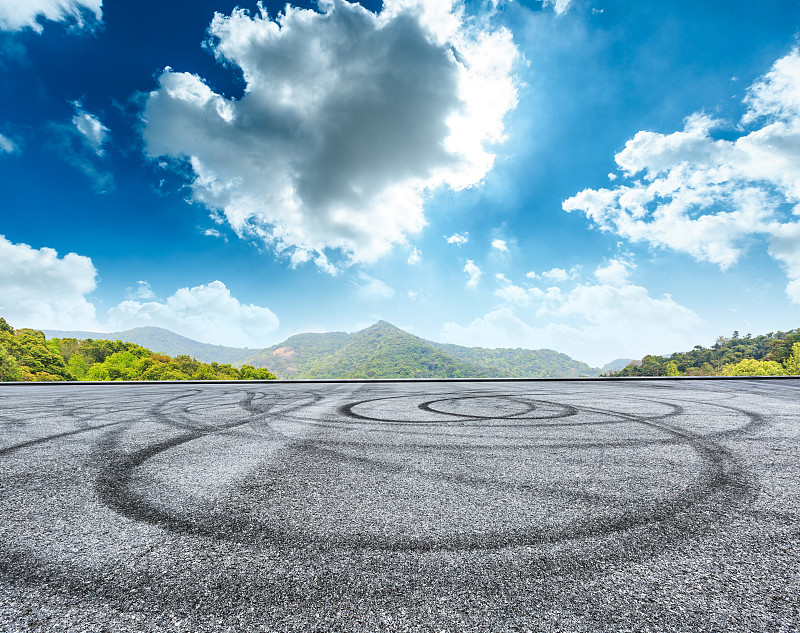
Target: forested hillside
771, 354
165, 342
519, 363
385, 351
292, 357
26, 355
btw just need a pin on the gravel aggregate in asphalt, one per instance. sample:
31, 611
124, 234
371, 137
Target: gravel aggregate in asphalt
526, 506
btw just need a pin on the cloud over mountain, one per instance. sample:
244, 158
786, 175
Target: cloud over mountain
588, 320
208, 313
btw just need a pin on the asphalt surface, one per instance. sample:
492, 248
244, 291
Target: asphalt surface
526, 506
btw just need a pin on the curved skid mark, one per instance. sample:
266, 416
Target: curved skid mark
41, 440
114, 477
721, 477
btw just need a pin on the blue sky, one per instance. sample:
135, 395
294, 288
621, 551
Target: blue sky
604, 178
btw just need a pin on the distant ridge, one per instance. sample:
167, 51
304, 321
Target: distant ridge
163, 341
379, 351
384, 350
616, 365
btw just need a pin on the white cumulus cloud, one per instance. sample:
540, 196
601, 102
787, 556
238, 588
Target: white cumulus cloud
473, 274
500, 245
142, 291
39, 289
348, 118
415, 257
590, 321
614, 272
511, 293
458, 239
557, 275
711, 197
207, 313
16, 15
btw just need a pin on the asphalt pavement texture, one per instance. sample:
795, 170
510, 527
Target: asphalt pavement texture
597, 506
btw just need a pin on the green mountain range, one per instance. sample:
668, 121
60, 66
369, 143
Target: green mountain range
379, 351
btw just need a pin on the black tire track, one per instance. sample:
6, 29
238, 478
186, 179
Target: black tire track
721, 475
114, 479
722, 491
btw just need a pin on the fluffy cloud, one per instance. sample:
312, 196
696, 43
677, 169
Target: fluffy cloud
7, 146
414, 257
711, 197
348, 118
142, 291
593, 322
207, 313
473, 274
510, 293
16, 15
557, 275
458, 239
615, 272
42, 290
500, 245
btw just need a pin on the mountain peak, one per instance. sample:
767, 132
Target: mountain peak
383, 326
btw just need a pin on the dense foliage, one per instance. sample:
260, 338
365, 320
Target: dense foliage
520, 363
771, 354
166, 342
26, 355
385, 351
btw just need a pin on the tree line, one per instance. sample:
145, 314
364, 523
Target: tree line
770, 354
26, 355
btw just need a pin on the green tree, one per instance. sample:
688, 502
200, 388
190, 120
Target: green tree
752, 367
792, 364
34, 357
77, 367
67, 347
225, 372
187, 364
97, 372
118, 366
671, 369
783, 346
248, 372
9, 369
